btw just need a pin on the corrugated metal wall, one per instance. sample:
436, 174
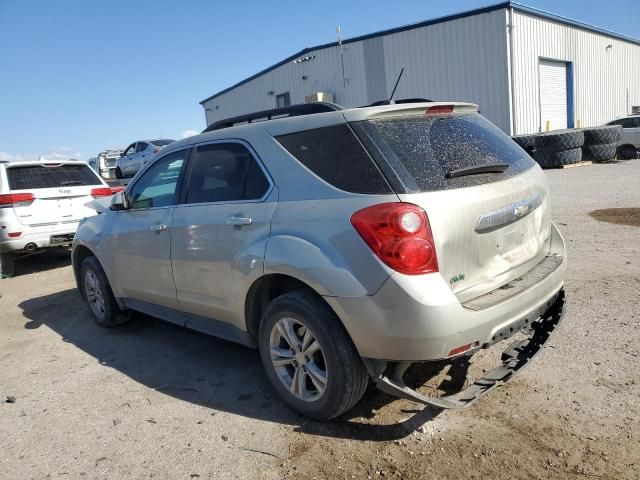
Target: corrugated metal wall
601, 75
459, 60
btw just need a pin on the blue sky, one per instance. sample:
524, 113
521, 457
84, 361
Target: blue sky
77, 76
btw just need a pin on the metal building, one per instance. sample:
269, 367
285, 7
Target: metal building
528, 70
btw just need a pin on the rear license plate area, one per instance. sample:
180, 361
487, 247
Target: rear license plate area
61, 239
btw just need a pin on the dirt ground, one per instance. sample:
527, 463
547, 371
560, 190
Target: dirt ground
151, 400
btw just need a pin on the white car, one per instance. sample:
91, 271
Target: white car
137, 155
630, 140
41, 204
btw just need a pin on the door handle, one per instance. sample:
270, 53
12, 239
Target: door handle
238, 221
158, 228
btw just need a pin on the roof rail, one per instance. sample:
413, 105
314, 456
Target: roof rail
290, 111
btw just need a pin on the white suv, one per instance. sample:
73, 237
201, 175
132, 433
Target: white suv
41, 204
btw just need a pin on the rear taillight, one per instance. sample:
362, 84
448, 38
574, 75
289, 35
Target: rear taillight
400, 235
16, 200
101, 192
117, 189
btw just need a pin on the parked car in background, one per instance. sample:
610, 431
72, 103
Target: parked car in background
344, 245
136, 155
630, 140
41, 203
107, 162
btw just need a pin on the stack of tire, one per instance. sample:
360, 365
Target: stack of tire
558, 148
527, 142
601, 143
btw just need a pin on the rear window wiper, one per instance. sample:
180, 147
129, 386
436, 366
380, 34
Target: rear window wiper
492, 168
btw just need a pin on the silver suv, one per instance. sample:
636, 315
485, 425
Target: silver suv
345, 245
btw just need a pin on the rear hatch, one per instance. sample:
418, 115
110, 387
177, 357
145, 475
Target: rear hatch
60, 192
486, 200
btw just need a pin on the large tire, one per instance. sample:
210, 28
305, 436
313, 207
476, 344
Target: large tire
528, 142
560, 140
337, 361
557, 158
628, 152
599, 153
7, 264
99, 296
602, 135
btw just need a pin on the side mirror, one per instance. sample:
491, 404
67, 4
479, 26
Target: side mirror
122, 155
119, 202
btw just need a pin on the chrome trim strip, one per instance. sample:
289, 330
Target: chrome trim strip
506, 215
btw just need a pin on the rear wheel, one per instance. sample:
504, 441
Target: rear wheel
99, 297
309, 358
627, 152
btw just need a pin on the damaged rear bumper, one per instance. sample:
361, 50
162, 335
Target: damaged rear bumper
389, 378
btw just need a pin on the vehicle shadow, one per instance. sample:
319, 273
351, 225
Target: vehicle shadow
207, 371
48, 259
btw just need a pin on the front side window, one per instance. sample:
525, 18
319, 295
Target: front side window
141, 147
158, 185
225, 172
130, 149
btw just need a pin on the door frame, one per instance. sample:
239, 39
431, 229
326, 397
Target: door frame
570, 91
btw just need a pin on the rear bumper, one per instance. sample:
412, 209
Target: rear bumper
40, 236
517, 356
411, 319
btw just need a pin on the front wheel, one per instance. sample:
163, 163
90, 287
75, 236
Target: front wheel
627, 152
309, 358
98, 295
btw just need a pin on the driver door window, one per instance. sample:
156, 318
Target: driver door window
130, 149
141, 147
159, 184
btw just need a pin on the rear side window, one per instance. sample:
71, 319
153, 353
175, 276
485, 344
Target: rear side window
50, 176
225, 172
336, 156
423, 150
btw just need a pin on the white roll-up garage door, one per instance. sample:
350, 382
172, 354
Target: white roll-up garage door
553, 95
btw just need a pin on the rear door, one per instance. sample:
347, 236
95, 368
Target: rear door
489, 227
219, 232
140, 238
60, 190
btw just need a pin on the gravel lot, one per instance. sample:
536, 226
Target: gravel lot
154, 400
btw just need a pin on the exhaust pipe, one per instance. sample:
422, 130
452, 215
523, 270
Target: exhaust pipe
30, 247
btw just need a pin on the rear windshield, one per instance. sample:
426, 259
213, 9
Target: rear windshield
423, 150
161, 143
38, 176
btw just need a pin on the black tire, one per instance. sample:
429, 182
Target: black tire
113, 315
628, 152
602, 135
7, 265
119, 175
560, 140
347, 376
528, 142
557, 158
599, 153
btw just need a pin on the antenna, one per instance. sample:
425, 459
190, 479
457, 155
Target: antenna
396, 86
339, 32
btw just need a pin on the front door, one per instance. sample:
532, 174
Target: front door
219, 233
142, 237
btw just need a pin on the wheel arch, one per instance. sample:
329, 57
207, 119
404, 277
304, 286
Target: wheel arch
80, 254
264, 290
